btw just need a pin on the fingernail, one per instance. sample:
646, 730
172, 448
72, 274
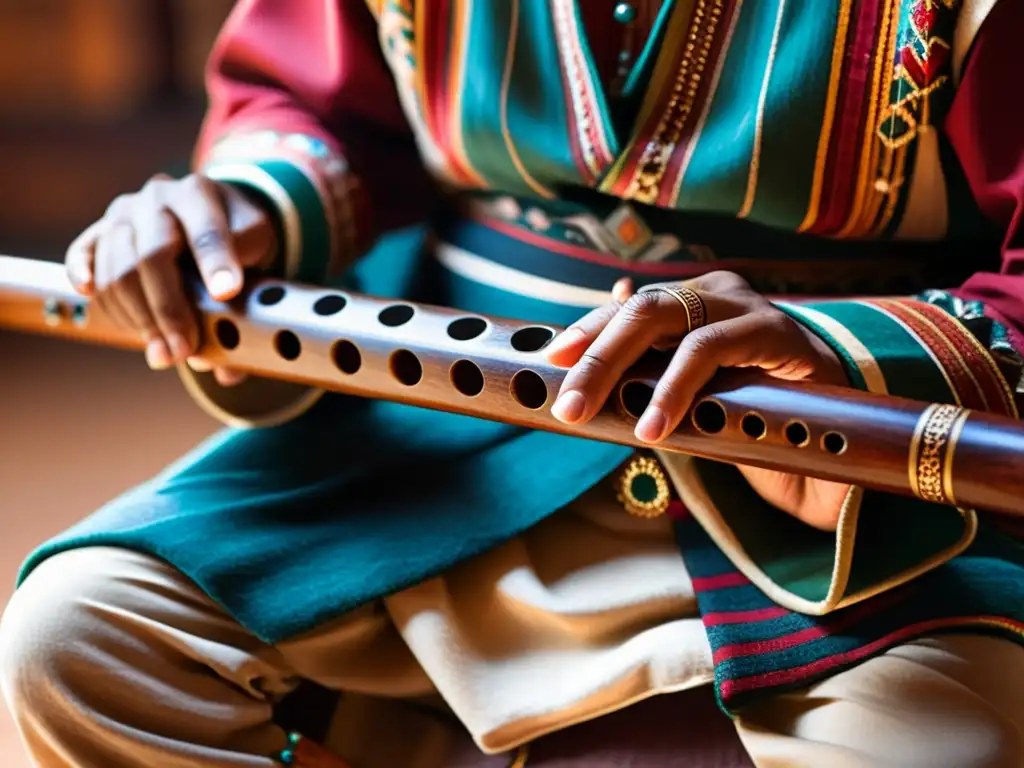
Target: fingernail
565, 340
157, 356
569, 407
223, 282
651, 425
179, 346
199, 365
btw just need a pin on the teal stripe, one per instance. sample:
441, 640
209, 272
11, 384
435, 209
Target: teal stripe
716, 179
316, 234
795, 110
486, 49
908, 369
538, 116
853, 372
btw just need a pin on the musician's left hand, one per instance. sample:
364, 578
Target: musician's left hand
742, 330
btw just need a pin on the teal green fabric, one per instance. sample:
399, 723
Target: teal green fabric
373, 496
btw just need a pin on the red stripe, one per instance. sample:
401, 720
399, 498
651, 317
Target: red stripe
722, 581
988, 376
841, 167
742, 617
967, 390
668, 183
848, 618
730, 688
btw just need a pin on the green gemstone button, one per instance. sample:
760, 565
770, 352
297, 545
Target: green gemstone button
644, 488
624, 13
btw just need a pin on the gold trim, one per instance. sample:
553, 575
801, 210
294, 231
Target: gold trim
915, 447
947, 470
637, 467
931, 455
828, 122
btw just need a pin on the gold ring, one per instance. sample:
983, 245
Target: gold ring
696, 310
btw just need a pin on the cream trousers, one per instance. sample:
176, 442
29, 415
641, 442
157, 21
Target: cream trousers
111, 658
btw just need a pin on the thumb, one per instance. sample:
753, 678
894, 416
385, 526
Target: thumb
252, 230
200, 211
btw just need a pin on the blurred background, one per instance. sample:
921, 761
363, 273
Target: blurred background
95, 97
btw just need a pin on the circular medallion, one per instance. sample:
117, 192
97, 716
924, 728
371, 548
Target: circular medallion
643, 489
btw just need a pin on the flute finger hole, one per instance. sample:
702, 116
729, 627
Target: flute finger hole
346, 357
227, 333
270, 296
531, 339
753, 425
329, 305
396, 315
709, 417
834, 442
634, 397
287, 345
529, 390
405, 367
797, 434
466, 328
467, 378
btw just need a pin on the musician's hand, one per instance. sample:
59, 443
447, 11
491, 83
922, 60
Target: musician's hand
742, 329
128, 261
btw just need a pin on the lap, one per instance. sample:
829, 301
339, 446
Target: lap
951, 700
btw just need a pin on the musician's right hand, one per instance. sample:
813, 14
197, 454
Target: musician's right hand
129, 260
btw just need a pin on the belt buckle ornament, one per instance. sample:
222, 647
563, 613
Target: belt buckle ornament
643, 489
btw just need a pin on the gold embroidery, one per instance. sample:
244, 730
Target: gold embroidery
931, 455
658, 152
660, 497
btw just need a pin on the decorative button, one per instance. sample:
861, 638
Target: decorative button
625, 13
643, 489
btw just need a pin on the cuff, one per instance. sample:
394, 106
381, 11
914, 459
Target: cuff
318, 206
902, 347
317, 200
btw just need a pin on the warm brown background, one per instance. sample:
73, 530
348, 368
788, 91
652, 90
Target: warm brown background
95, 96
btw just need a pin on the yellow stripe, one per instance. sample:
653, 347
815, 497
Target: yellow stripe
869, 149
869, 368
838, 58
755, 158
505, 84
456, 87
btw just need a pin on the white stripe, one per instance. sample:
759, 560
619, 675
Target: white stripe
481, 270
248, 173
861, 355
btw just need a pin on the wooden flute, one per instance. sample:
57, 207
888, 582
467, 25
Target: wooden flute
495, 369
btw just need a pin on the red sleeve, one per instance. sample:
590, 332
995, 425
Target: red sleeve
304, 108
986, 128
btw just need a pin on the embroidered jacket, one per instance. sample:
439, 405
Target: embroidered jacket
819, 148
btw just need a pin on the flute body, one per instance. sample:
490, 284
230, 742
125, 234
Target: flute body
495, 369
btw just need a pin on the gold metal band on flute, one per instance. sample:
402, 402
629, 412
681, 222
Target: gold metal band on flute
932, 449
696, 309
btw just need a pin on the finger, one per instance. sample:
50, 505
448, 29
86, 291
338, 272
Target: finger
128, 292
627, 335
198, 207
80, 257
160, 242
104, 278
252, 233
754, 340
227, 377
567, 348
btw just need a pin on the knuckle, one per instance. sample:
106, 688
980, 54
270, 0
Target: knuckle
644, 306
119, 207
703, 341
592, 364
